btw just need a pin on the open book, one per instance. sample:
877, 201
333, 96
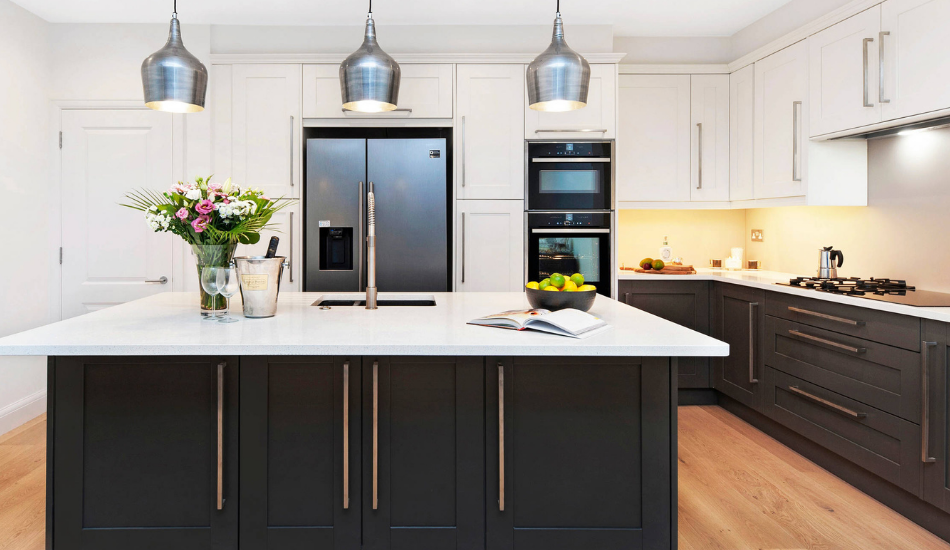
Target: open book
566, 322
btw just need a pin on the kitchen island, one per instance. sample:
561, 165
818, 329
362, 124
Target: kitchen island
400, 428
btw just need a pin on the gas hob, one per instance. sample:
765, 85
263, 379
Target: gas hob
884, 290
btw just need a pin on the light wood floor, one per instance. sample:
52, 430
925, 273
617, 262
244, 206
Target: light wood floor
738, 489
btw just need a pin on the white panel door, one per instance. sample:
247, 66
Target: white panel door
741, 133
709, 173
110, 256
425, 91
489, 159
266, 128
653, 142
286, 226
596, 120
781, 114
844, 66
916, 56
489, 246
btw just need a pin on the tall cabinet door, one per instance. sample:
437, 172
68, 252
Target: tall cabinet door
266, 147
300, 453
653, 146
738, 318
916, 56
490, 246
742, 134
423, 453
935, 446
709, 112
844, 63
781, 111
144, 453
489, 160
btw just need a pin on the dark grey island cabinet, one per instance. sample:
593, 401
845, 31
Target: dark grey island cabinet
362, 452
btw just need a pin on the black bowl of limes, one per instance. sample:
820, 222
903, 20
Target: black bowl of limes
561, 292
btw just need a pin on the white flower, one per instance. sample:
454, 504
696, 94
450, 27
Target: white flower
193, 194
157, 221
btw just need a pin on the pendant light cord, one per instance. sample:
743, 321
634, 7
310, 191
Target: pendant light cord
371, 5
558, 6
175, 6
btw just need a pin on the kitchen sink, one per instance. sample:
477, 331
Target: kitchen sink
349, 300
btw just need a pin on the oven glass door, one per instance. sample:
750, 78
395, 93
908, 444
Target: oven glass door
574, 184
585, 251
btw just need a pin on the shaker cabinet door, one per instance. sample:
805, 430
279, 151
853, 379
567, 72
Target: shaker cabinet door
738, 318
597, 120
741, 133
709, 124
300, 453
935, 424
490, 246
144, 453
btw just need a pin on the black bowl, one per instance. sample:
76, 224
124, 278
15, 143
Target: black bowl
553, 301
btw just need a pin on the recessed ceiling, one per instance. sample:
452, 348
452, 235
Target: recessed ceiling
629, 17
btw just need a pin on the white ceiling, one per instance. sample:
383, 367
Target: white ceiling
629, 17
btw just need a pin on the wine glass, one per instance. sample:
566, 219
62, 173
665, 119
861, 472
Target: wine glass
228, 285
209, 282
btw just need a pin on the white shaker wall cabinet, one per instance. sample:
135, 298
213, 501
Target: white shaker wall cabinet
709, 124
653, 144
489, 132
489, 249
916, 57
425, 91
844, 63
781, 111
596, 120
265, 136
742, 133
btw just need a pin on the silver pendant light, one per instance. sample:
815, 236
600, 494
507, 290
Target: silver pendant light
369, 77
559, 78
174, 80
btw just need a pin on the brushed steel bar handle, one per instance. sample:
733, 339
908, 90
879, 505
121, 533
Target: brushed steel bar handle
351, 112
796, 136
346, 435
560, 160
501, 437
866, 83
543, 231
881, 52
827, 342
163, 280
925, 404
585, 130
462, 150
699, 185
375, 435
291, 153
825, 403
362, 243
827, 317
463, 247
220, 466
752, 378
290, 266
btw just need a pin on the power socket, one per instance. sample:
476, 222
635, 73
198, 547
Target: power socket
758, 235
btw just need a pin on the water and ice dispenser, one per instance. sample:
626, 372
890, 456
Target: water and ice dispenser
336, 249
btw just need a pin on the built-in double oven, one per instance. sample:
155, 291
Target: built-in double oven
569, 219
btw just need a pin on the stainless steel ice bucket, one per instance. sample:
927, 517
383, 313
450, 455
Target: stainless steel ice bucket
260, 283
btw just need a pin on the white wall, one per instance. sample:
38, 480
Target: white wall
24, 155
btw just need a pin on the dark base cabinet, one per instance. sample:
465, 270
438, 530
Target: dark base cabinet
738, 318
935, 449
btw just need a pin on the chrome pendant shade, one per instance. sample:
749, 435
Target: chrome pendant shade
369, 77
174, 80
559, 78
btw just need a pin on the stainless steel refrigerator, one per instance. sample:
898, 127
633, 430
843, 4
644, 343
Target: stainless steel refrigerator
409, 178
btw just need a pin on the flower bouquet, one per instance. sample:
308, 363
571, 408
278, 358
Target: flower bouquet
211, 217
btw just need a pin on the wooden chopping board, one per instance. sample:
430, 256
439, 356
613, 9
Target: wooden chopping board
667, 270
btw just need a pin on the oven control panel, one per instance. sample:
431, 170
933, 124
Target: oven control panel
569, 219
573, 149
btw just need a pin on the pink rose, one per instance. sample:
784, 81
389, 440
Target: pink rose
214, 186
182, 214
200, 223
205, 207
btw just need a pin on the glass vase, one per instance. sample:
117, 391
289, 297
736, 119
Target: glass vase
212, 255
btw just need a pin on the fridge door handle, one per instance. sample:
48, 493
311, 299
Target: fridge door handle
360, 243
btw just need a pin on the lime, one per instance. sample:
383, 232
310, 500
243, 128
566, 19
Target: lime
551, 288
544, 283
658, 265
557, 280
532, 285
578, 279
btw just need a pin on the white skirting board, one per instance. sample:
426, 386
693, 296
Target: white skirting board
20, 412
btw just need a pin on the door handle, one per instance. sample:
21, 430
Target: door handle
699, 185
462, 150
752, 378
825, 341
925, 403
361, 242
163, 280
796, 135
291, 156
346, 435
375, 435
584, 130
290, 266
866, 83
501, 437
463, 247
827, 317
881, 51
348, 112
220, 466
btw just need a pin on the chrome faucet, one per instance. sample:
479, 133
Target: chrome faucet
371, 249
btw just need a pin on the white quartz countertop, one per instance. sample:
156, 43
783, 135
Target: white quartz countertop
767, 280
170, 324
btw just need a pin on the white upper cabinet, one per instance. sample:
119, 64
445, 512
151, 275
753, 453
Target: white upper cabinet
596, 120
709, 123
653, 145
781, 110
845, 64
265, 137
742, 133
287, 226
916, 57
489, 246
425, 91
489, 132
